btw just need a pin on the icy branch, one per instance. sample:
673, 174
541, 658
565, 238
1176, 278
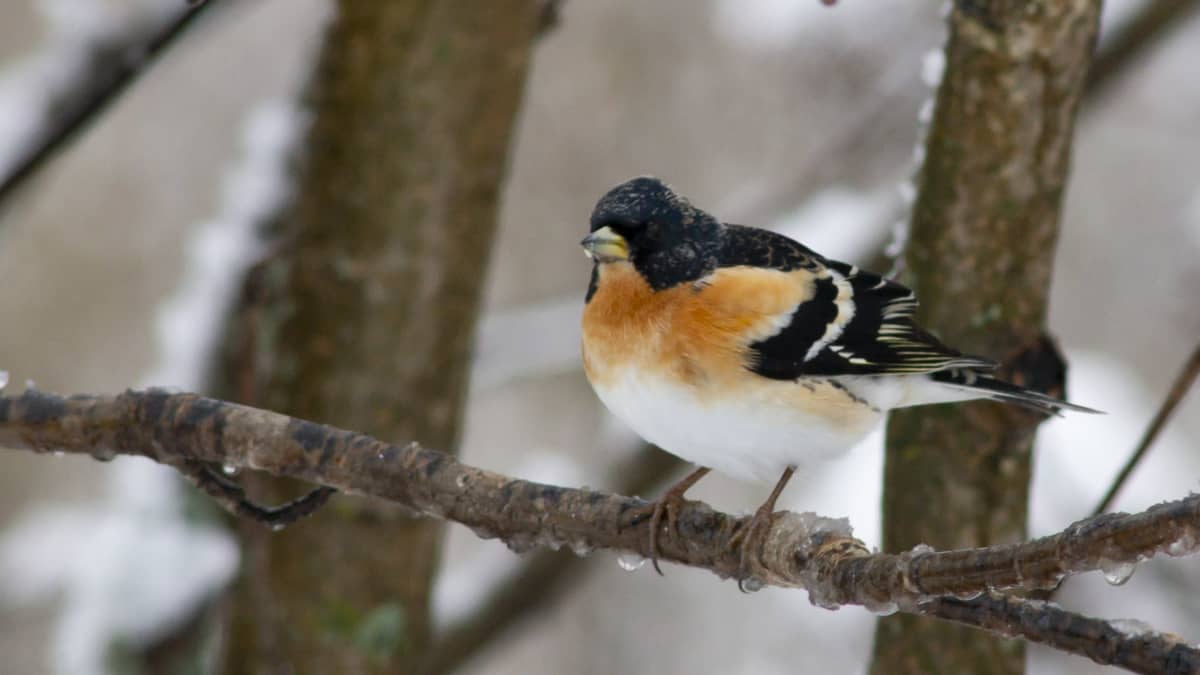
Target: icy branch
801, 550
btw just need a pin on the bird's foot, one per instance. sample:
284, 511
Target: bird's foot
669, 505
754, 534
748, 541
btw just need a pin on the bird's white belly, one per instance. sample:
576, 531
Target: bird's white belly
754, 433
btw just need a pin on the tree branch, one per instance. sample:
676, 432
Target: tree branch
801, 550
1105, 642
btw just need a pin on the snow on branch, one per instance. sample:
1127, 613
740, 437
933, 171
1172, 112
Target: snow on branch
801, 551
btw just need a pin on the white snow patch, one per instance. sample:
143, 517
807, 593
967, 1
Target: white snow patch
76, 28
128, 570
933, 66
221, 250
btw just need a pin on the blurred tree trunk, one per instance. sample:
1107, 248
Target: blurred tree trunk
980, 257
363, 316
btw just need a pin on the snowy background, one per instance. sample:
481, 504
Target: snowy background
116, 263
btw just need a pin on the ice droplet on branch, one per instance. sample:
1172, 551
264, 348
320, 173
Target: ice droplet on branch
630, 562
1116, 572
752, 585
1131, 628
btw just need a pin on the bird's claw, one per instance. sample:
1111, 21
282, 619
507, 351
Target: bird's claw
749, 540
669, 505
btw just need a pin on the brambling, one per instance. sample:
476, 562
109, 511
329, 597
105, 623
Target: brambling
741, 350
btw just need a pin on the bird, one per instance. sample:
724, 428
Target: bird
741, 350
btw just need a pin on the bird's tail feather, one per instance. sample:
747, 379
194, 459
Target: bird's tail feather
998, 390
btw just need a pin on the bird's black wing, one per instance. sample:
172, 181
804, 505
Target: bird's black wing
855, 322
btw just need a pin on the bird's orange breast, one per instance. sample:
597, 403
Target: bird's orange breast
694, 334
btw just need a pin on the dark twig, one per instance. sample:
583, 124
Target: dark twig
549, 16
90, 99
1105, 642
800, 550
232, 497
1145, 29
1183, 382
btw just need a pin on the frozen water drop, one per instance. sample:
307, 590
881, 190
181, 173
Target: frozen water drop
3, 380
752, 585
276, 527
580, 547
1185, 545
229, 469
1131, 627
921, 549
58, 453
1116, 572
630, 562
30, 385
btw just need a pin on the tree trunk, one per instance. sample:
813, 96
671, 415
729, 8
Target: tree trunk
980, 257
363, 317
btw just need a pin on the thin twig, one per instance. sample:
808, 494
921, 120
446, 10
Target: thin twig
800, 550
232, 497
90, 99
1183, 382
1153, 22
1105, 642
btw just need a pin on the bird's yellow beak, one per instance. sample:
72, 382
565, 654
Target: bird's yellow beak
604, 245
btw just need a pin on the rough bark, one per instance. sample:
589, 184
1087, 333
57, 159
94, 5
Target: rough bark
980, 255
800, 550
363, 314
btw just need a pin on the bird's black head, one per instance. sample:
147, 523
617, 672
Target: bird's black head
665, 238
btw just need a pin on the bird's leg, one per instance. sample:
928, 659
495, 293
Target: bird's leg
669, 504
752, 534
